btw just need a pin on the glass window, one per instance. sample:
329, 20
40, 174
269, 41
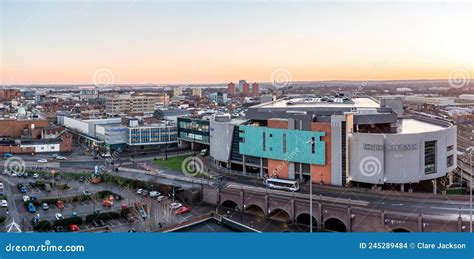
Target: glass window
430, 157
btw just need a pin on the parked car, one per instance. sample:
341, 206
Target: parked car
42, 160
14, 174
86, 193
24, 175
74, 228
81, 179
26, 198
23, 189
7, 155
175, 205
203, 152
32, 184
183, 210
59, 216
4, 203
60, 158
45, 206
154, 194
60, 205
31, 208
19, 186
35, 176
140, 191
55, 155
161, 198
1, 185
123, 205
35, 220
74, 214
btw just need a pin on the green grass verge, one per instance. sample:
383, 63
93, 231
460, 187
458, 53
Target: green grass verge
173, 163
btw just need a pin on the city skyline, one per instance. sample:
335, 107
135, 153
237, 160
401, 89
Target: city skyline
159, 42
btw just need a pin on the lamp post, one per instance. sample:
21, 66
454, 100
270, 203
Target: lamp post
311, 142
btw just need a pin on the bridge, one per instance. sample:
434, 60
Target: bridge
337, 214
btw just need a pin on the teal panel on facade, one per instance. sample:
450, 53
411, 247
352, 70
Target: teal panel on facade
282, 144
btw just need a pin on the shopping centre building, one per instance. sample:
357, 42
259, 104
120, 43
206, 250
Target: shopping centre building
336, 140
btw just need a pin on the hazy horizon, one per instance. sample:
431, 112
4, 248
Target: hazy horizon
214, 42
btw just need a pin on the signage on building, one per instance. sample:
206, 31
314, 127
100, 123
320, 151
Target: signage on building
387, 147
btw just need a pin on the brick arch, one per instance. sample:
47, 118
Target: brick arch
280, 216
227, 202
326, 220
249, 209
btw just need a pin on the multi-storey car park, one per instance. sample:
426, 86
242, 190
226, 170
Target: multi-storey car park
337, 140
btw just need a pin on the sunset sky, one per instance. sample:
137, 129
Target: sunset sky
185, 42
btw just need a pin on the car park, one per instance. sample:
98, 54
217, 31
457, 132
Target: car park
98, 223
175, 205
58, 228
31, 208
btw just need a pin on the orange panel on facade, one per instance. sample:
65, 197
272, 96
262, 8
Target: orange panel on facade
323, 172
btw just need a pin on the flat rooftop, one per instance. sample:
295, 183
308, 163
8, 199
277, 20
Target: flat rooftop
407, 126
359, 102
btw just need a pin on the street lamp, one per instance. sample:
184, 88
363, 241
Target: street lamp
311, 142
